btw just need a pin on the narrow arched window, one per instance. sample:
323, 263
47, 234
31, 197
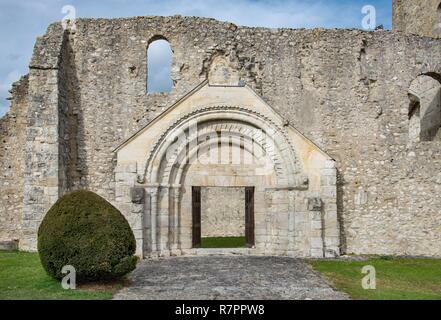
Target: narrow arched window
425, 108
159, 63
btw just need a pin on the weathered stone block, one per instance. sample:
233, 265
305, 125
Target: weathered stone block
9, 245
315, 204
317, 253
137, 194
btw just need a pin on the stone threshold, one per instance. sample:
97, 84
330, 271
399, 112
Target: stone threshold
227, 252
219, 251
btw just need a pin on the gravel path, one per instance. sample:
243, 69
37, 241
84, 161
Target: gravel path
227, 278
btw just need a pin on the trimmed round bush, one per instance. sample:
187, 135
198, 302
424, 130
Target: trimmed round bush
85, 231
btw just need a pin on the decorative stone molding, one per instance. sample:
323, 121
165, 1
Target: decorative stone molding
140, 179
222, 73
302, 182
283, 223
246, 112
315, 204
137, 195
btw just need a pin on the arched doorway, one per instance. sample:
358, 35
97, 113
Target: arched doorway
223, 149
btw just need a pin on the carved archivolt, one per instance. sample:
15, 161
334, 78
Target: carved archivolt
239, 121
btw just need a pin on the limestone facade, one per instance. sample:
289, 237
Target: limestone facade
422, 17
352, 117
225, 135
223, 212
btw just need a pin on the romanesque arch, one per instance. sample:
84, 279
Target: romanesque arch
257, 130
220, 146
261, 146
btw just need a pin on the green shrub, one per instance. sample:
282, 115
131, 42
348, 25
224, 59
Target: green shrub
85, 231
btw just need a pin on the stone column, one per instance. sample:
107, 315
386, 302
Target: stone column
267, 249
291, 223
138, 211
175, 224
315, 206
163, 222
331, 227
153, 191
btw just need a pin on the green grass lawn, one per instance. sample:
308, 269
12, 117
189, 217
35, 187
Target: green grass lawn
226, 242
22, 278
397, 279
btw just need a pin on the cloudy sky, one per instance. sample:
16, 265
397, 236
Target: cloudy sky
21, 21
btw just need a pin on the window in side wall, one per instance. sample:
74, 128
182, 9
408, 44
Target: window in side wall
159, 64
425, 109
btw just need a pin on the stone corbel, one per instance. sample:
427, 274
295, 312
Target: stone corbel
302, 182
137, 195
140, 178
315, 204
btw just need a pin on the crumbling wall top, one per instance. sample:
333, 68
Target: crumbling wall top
47, 49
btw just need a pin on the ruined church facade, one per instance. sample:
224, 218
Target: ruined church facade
310, 143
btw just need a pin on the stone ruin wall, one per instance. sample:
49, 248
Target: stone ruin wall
346, 90
223, 212
417, 17
12, 162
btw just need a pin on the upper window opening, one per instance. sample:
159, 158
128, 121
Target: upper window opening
159, 63
425, 109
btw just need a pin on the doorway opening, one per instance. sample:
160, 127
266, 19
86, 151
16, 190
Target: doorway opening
223, 217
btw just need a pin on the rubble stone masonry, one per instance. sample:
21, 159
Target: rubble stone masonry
346, 90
